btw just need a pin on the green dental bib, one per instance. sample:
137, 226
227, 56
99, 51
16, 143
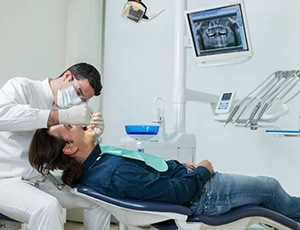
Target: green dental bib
154, 161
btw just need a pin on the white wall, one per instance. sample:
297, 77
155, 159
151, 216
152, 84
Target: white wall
41, 38
32, 41
84, 34
138, 61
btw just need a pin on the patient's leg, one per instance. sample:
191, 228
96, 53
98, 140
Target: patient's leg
226, 191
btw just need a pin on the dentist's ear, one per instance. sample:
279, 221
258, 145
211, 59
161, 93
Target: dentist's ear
70, 149
67, 75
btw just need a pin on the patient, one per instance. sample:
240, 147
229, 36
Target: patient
73, 150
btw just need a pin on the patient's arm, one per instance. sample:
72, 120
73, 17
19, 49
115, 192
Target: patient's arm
190, 165
207, 164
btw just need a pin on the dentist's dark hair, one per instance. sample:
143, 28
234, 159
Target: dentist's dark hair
89, 72
46, 152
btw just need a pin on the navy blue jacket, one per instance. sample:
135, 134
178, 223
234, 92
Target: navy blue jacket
121, 177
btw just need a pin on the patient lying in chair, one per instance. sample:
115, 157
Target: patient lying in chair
122, 173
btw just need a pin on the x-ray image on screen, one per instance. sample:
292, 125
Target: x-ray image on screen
218, 34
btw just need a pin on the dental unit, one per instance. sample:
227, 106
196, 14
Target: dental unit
266, 103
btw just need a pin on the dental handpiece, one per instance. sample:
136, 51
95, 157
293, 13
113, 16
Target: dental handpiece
261, 113
232, 114
253, 114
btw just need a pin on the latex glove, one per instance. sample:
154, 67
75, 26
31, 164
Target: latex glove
97, 123
76, 115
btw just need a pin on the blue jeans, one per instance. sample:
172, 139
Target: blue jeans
226, 191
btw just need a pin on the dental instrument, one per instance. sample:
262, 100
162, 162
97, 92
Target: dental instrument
266, 103
261, 93
246, 98
253, 113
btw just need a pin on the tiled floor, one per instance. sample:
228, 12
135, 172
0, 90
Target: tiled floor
78, 226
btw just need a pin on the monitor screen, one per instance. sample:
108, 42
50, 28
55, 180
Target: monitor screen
219, 34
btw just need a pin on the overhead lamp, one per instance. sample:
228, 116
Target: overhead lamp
135, 10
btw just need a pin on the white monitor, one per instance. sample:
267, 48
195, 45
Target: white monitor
219, 33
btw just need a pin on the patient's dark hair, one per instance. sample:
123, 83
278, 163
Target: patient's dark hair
46, 152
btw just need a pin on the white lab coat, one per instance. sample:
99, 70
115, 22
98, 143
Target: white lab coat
24, 107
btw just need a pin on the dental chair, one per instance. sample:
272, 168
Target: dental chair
137, 214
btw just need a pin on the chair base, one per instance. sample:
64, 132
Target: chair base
7, 223
10, 225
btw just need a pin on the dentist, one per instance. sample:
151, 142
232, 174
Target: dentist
27, 105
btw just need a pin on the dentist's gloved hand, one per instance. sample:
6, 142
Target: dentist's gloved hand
76, 115
97, 123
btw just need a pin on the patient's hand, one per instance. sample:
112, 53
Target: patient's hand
208, 165
190, 165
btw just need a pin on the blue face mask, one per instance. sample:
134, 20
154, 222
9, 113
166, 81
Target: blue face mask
67, 98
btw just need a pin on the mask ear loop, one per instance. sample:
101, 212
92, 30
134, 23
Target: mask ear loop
69, 80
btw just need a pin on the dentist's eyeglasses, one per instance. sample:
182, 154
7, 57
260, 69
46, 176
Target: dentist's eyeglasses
78, 88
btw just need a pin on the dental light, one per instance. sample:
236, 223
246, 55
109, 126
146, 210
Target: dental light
135, 10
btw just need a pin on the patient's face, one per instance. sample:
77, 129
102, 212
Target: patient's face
77, 134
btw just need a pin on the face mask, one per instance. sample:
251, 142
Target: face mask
67, 98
